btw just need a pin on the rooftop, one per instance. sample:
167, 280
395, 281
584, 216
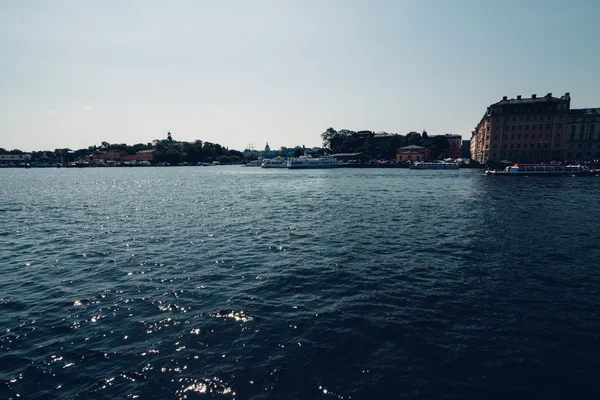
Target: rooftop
533, 99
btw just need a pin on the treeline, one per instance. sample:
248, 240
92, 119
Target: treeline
381, 145
166, 150
183, 152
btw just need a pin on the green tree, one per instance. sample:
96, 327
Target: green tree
414, 138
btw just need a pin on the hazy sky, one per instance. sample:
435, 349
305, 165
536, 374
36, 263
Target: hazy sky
76, 73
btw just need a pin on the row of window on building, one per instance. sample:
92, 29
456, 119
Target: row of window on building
569, 155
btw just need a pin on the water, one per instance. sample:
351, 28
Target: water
233, 282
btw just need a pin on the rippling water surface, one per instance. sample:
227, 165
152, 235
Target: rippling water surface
242, 283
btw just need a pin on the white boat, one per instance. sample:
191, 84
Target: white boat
306, 162
253, 163
435, 165
274, 163
542, 170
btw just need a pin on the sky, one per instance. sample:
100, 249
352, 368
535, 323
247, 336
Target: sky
77, 73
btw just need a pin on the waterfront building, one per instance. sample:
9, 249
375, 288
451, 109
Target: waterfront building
14, 158
529, 130
144, 155
583, 136
454, 142
465, 149
412, 153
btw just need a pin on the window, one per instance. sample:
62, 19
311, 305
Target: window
533, 126
572, 128
541, 126
526, 127
533, 135
504, 146
512, 146
514, 119
526, 136
512, 137
559, 126
495, 137
521, 118
547, 126
546, 145
557, 145
558, 135
504, 137
579, 146
514, 127
547, 136
519, 136
582, 128
518, 146
539, 145
520, 127
528, 118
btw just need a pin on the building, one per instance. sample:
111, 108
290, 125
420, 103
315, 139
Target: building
144, 155
583, 136
14, 158
465, 149
454, 143
412, 153
530, 130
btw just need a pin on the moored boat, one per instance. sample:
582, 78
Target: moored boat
435, 165
543, 170
274, 163
305, 162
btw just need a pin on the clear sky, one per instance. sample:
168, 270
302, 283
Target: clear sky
76, 73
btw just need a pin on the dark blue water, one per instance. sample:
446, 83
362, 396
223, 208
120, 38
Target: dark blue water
233, 282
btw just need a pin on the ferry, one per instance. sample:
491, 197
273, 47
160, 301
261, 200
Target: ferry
306, 162
253, 163
435, 165
543, 170
274, 163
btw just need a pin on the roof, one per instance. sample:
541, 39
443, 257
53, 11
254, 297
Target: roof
145, 151
532, 100
14, 157
412, 147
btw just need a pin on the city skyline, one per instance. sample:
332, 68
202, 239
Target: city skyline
74, 75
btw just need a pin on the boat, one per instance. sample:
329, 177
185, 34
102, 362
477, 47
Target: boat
253, 163
435, 165
543, 170
306, 162
274, 163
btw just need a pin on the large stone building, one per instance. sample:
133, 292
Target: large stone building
583, 135
528, 130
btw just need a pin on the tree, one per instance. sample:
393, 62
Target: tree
328, 136
414, 139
